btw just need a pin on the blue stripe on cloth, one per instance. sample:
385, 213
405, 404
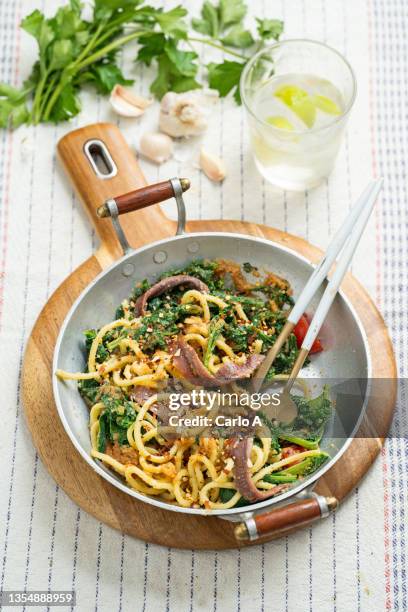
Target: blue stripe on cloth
98, 566
75, 553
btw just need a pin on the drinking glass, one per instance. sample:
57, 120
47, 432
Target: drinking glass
301, 157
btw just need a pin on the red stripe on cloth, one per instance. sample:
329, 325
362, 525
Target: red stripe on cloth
378, 292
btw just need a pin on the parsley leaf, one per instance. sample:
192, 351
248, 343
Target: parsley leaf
152, 46
232, 11
172, 22
176, 71
238, 37
269, 28
209, 22
36, 25
225, 77
66, 106
182, 61
104, 76
13, 108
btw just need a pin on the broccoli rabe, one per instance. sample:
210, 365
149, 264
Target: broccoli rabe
312, 414
117, 416
89, 389
307, 466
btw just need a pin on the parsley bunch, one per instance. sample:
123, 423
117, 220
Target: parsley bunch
74, 51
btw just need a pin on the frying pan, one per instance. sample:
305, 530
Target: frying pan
348, 356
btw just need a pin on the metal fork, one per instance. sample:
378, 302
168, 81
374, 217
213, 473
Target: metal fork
345, 242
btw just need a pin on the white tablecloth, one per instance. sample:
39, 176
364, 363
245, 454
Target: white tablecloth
355, 560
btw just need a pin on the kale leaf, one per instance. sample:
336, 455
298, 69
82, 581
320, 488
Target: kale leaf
114, 421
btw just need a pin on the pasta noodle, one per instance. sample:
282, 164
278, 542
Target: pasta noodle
131, 362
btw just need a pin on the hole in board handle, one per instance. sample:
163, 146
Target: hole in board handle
100, 159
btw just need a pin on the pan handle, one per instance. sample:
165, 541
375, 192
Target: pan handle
143, 197
285, 518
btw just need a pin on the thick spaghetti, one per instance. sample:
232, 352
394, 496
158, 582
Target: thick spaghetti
207, 326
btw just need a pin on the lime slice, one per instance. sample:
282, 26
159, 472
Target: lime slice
299, 101
326, 105
280, 122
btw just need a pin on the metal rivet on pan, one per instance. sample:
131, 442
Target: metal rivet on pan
128, 269
193, 247
160, 257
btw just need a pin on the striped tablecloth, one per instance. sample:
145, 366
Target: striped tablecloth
356, 559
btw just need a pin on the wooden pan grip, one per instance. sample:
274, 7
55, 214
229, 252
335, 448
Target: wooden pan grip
293, 515
143, 197
285, 518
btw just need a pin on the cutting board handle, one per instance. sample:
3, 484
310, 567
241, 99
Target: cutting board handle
101, 166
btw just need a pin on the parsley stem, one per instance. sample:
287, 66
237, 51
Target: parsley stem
46, 95
211, 43
119, 42
74, 68
89, 46
35, 114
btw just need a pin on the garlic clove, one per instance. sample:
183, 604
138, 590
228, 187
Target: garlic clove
156, 146
127, 104
212, 166
183, 114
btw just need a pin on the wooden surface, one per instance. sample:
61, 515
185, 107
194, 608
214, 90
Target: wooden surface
73, 474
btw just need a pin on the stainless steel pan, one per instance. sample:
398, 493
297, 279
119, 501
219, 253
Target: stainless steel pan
348, 355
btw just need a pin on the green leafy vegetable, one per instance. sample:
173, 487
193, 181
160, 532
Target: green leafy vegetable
214, 332
89, 389
209, 23
307, 466
74, 50
231, 12
114, 421
313, 413
225, 77
102, 353
308, 427
269, 28
238, 336
279, 478
204, 269
13, 107
227, 494
172, 22
238, 37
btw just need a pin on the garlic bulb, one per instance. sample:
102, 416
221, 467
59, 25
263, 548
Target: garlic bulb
185, 114
156, 146
212, 166
126, 103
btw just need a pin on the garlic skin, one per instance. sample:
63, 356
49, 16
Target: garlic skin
126, 103
212, 166
156, 147
185, 114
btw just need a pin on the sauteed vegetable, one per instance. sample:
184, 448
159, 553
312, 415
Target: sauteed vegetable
206, 326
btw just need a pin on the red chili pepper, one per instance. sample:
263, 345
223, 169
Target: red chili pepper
300, 332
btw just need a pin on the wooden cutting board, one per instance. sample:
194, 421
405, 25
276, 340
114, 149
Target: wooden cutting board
71, 472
